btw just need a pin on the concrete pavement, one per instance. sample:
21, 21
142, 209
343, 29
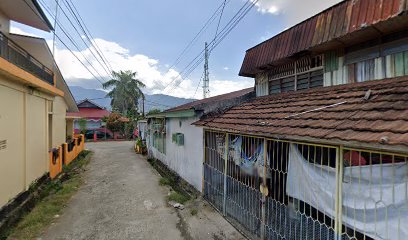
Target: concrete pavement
121, 199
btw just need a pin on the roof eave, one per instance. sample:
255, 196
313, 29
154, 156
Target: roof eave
333, 142
43, 16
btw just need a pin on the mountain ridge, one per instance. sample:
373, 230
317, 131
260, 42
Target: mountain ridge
152, 101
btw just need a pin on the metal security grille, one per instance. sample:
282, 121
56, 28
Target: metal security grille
214, 165
376, 203
275, 189
292, 212
243, 196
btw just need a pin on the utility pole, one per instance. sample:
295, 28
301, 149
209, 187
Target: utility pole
54, 43
143, 105
55, 27
206, 86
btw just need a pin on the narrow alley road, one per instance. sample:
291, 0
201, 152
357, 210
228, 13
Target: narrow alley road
121, 199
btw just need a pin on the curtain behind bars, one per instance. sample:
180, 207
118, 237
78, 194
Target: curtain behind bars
374, 196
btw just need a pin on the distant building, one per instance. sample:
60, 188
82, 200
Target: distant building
93, 113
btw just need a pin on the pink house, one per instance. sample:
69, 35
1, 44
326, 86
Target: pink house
93, 113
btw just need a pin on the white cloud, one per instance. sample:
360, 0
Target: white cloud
293, 11
218, 87
119, 58
147, 69
17, 30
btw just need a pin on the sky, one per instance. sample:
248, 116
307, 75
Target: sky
148, 36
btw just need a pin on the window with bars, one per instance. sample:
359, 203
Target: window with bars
298, 75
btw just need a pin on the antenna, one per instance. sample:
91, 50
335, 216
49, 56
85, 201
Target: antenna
206, 85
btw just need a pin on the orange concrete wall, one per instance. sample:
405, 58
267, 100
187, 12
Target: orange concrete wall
55, 165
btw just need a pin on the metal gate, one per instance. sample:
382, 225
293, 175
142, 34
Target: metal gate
248, 180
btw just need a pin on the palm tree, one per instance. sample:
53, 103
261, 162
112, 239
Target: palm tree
125, 91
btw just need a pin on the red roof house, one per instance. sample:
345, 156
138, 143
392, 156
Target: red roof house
93, 113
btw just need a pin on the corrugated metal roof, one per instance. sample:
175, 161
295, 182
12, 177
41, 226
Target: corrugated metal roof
329, 113
215, 99
341, 19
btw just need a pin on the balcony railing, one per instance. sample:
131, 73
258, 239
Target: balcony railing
15, 54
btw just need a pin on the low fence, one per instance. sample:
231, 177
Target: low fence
73, 148
65, 154
55, 163
275, 189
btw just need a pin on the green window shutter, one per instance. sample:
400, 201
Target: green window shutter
180, 139
399, 64
406, 62
331, 61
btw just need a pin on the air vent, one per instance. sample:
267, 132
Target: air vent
3, 144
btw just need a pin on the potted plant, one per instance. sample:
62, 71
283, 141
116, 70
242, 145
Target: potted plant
139, 145
144, 147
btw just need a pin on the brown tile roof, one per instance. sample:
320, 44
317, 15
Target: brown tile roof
336, 113
199, 103
337, 22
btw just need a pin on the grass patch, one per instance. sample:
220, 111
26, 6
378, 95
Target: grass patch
164, 181
53, 199
170, 178
178, 197
193, 211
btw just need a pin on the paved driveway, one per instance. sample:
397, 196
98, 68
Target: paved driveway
121, 199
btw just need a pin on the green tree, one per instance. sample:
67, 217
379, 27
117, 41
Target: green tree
154, 111
82, 125
125, 92
115, 123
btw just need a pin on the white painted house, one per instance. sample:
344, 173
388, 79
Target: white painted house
172, 139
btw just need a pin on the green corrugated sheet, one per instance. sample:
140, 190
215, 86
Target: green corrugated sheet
331, 61
399, 64
406, 62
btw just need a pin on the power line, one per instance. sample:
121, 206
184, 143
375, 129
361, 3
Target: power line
242, 12
203, 29
78, 59
235, 22
190, 44
77, 31
219, 20
88, 36
56, 35
73, 43
89, 32
201, 78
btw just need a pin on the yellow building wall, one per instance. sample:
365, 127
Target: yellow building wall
70, 127
36, 137
59, 123
12, 154
24, 135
